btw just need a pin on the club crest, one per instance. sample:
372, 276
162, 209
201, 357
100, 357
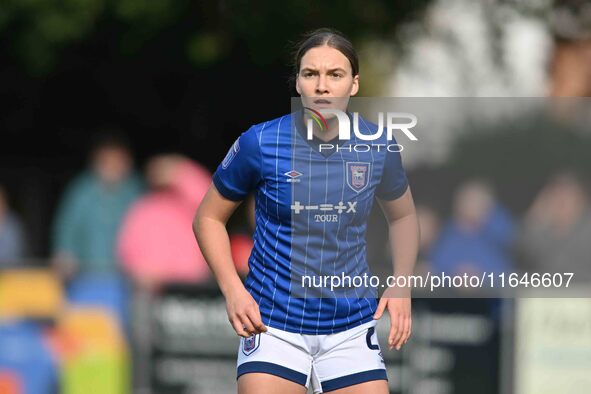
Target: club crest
250, 344
358, 175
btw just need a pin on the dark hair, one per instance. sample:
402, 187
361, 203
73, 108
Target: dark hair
109, 138
320, 37
570, 21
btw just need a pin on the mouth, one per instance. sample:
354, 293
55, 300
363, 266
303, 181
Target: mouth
322, 101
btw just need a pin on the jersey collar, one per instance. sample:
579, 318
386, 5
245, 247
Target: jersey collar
314, 143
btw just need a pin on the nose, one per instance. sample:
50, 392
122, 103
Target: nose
321, 87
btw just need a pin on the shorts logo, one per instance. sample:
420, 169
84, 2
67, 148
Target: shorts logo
231, 154
250, 344
357, 175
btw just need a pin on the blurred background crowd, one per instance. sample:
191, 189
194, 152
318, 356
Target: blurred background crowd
115, 114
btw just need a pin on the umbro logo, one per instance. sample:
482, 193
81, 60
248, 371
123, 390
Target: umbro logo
293, 175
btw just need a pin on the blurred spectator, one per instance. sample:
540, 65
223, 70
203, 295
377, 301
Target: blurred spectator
479, 235
11, 234
571, 69
570, 65
556, 233
92, 209
156, 244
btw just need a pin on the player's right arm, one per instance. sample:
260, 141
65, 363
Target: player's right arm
238, 175
209, 227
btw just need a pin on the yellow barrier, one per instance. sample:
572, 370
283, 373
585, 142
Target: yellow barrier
34, 293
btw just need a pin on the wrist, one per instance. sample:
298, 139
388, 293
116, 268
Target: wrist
230, 286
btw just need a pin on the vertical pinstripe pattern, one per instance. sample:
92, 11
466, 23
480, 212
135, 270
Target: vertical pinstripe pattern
343, 185
286, 242
305, 262
326, 182
292, 144
277, 213
263, 238
357, 267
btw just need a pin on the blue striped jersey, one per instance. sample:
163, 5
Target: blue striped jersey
311, 210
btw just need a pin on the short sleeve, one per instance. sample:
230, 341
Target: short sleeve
240, 171
394, 182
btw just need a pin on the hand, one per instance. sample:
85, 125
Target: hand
400, 319
243, 313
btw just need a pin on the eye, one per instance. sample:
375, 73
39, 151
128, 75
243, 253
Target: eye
307, 74
337, 75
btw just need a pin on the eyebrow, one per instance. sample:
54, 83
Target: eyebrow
330, 70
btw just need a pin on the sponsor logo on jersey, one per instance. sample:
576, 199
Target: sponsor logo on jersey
357, 175
325, 212
293, 175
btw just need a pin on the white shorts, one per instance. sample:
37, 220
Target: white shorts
328, 362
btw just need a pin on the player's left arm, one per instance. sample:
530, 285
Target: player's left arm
404, 241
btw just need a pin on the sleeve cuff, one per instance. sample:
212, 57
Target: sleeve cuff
226, 191
395, 194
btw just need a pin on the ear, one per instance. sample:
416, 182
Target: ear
297, 84
355, 86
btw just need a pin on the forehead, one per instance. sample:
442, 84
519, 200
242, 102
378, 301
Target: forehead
110, 152
325, 57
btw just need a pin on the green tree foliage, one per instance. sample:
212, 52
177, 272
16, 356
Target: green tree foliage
37, 32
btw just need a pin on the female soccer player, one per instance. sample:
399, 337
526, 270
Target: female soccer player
312, 206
